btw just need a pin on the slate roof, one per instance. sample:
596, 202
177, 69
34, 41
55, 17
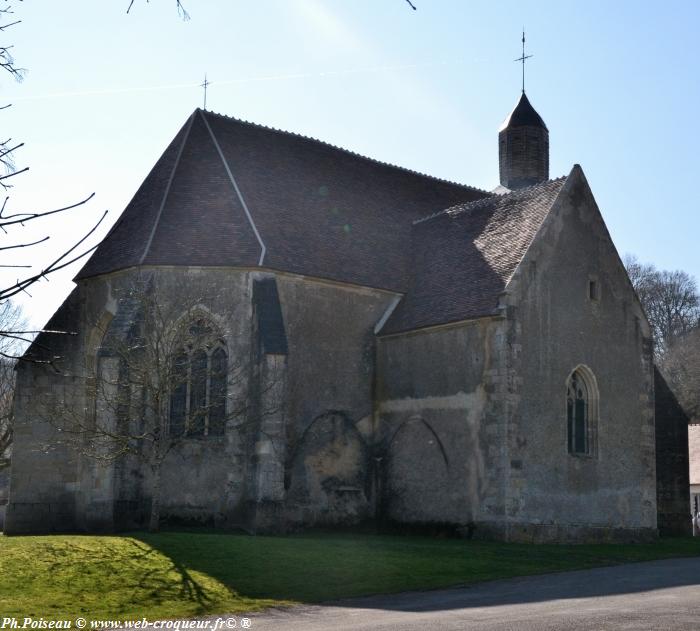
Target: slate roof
523, 115
320, 211
55, 340
224, 188
463, 257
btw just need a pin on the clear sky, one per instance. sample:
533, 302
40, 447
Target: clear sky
616, 82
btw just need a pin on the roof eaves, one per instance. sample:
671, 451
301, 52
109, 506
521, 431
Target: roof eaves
494, 313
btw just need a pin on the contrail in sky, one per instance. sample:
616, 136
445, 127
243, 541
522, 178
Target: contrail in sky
278, 77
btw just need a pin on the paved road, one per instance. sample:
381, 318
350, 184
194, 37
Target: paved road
661, 595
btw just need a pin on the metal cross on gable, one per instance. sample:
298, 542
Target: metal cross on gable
523, 58
205, 85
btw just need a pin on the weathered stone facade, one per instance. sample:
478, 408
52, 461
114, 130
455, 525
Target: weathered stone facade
264, 472
436, 394
571, 309
499, 403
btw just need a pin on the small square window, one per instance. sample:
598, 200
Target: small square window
593, 290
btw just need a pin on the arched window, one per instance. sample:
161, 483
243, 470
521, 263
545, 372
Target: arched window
198, 383
581, 412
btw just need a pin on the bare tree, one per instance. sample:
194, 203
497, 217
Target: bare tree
7, 388
10, 220
180, 9
11, 319
7, 62
670, 300
165, 375
672, 303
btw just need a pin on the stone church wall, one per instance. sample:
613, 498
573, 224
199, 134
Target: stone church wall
571, 304
44, 477
44, 480
298, 455
329, 469
449, 425
205, 479
440, 410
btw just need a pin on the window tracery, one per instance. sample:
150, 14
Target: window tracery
199, 383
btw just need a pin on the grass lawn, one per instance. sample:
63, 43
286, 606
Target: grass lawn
177, 574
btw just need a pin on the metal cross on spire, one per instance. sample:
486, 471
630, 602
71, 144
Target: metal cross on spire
205, 85
523, 58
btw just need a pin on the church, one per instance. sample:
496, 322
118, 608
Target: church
411, 352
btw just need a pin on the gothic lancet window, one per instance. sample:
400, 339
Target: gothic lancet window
198, 384
581, 413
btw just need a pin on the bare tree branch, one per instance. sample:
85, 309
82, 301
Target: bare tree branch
23, 245
670, 300
8, 221
10, 318
8, 149
180, 9
57, 264
23, 218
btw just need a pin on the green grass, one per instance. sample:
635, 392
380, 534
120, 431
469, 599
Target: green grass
174, 574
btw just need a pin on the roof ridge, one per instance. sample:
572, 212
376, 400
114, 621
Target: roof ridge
481, 202
232, 179
166, 192
348, 151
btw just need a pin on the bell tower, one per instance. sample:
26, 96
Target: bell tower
523, 143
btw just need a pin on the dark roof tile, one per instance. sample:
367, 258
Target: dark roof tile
328, 213
321, 211
523, 115
464, 256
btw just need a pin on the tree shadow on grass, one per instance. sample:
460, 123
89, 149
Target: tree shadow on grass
197, 568
258, 569
130, 573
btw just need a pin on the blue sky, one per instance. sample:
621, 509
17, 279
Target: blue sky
616, 82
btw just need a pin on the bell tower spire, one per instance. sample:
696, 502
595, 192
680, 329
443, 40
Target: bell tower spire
522, 58
523, 142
